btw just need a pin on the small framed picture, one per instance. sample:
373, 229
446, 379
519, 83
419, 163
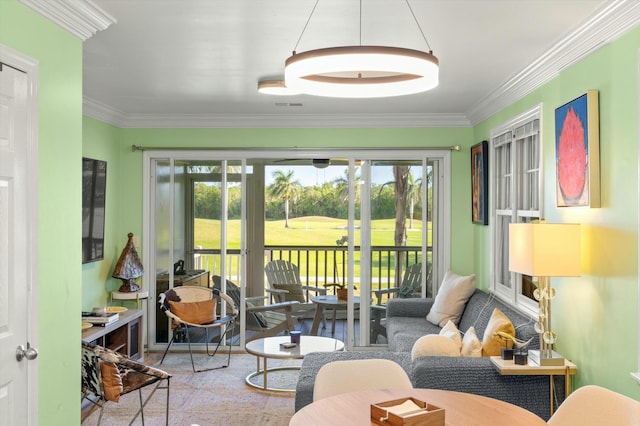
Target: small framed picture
480, 183
578, 152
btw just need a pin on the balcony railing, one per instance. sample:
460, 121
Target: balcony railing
320, 265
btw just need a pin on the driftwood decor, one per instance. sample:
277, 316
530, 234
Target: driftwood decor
128, 267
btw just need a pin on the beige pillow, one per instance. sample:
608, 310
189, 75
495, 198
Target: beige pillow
434, 345
451, 331
203, 312
451, 298
111, 381
295, 293
471, 345
491, 343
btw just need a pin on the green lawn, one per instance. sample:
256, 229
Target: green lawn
313, 230
309, 231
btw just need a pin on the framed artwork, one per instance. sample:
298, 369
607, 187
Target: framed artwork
578, 152
480, 183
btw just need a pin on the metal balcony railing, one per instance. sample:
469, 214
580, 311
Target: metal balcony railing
320, 265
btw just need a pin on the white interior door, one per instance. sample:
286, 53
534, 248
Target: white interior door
17, 367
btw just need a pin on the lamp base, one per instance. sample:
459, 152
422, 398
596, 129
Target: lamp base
129, 286
536, 357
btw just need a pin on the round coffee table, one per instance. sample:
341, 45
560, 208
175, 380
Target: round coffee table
269, 347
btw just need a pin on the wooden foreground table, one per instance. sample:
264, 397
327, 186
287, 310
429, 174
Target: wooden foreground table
461, 409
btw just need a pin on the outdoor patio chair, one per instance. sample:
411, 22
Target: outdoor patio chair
263, 320
106, 375
195, 307
409, 287
284, 285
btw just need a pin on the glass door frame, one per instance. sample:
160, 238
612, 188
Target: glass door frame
440, 262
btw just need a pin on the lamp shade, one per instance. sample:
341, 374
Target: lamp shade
545, 249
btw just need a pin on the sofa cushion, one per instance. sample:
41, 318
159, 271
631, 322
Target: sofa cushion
452, 296
402, 332
492, 343
471, 345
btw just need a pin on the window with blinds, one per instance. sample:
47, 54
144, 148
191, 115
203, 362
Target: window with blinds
515, 156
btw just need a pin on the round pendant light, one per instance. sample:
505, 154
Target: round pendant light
361, 71
275, 87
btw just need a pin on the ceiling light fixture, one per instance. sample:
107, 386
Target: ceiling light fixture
275, 87
362, 71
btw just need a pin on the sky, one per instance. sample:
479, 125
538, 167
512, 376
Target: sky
310, 176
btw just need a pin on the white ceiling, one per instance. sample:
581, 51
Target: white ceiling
196, 63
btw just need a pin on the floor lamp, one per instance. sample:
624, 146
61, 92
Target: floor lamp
545, 250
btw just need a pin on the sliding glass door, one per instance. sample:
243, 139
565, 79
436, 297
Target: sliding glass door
372, 221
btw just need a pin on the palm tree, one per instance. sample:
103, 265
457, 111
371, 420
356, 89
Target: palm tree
413, 193
342, 185
284, 187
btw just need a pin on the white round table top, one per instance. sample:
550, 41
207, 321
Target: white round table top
332, 300
269, 347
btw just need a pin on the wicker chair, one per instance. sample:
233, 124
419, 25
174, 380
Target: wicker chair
106, 375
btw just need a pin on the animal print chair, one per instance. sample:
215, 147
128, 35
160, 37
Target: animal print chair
106, 375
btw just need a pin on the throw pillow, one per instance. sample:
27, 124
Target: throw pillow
434, 345
295, 293
452, 296
451, 331
111, 381
492, 343
203, 312
471, 345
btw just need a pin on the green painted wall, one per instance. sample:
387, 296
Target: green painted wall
131, 165
59, 170
101, 142
595, 316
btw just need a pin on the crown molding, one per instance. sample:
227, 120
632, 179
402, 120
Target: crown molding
104, 113
605, 26
81, 18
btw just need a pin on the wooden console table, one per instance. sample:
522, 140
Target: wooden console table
123, 335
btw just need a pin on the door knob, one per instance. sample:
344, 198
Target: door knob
29, 353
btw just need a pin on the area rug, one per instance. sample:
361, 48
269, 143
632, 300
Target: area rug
217, 397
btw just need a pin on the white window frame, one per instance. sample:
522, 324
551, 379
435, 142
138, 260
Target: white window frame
513, 204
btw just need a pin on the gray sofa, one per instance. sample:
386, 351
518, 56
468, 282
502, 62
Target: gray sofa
406, 322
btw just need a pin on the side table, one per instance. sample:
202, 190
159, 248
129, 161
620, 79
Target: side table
138, 296
509, 368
